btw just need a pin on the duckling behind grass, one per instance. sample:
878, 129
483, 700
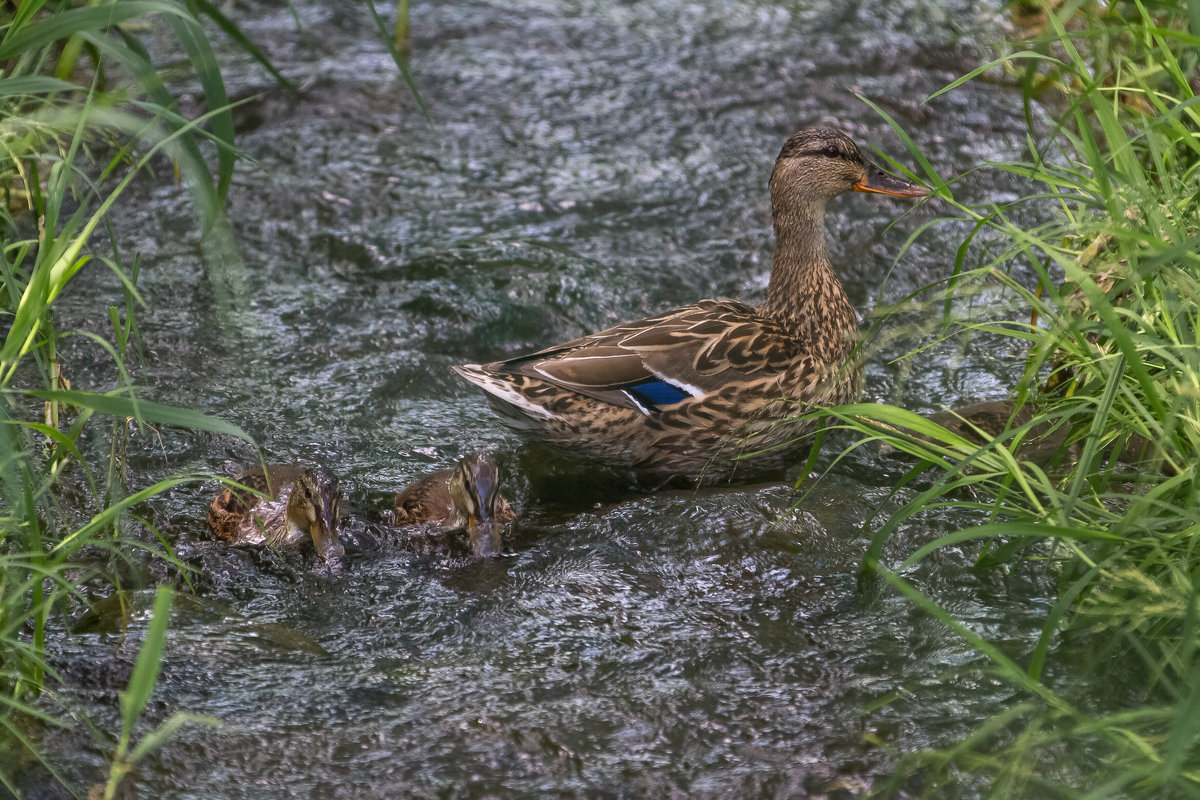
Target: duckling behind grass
284, 506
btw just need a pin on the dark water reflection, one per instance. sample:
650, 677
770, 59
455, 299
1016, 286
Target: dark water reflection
588, 163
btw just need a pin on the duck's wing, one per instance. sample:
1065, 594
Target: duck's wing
658, 362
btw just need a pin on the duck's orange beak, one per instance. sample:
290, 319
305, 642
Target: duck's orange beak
878, 181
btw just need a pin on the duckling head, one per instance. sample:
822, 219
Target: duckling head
816, 164
313, 507
475, 492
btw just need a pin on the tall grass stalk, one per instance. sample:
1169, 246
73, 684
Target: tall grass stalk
1112, 358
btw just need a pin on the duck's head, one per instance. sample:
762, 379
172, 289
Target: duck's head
816, 164
313, 507
475, 492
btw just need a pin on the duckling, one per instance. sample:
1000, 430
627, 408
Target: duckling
710, 388
296, 505
466, 496
1046, 442
979, 422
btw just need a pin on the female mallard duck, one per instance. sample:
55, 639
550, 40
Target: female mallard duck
691, 392
466, 496
284, 506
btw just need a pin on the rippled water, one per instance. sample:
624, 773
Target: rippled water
587, 163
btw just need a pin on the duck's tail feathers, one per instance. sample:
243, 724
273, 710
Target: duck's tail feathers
504, 392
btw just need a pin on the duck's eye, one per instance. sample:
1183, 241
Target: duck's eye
832, 151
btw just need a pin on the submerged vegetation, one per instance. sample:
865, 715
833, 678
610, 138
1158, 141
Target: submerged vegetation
1113, 370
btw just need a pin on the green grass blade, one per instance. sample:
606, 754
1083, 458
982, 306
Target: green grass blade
34, 84
389, 41
1008, 669
231, 30
142, 411
970, 76
204, 64
1037, 658
159, 736
45, 31
149, 661
1024, 530
108, 518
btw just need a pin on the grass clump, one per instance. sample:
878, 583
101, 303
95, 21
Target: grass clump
83, 111
1113, 368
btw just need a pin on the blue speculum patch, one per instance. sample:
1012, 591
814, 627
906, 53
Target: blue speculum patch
657, 393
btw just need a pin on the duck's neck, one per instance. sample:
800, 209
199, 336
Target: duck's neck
805, 294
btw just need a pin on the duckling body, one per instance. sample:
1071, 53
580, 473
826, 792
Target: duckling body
1045, 443
466, 496
693, 392
296, 505
979, 422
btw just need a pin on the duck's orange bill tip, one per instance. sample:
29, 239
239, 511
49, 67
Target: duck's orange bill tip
882, 183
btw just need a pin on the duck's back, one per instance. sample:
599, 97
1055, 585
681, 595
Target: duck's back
427, 500
241, 515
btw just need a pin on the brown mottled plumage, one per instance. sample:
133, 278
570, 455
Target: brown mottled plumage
690, 392
467, 496
285, 506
